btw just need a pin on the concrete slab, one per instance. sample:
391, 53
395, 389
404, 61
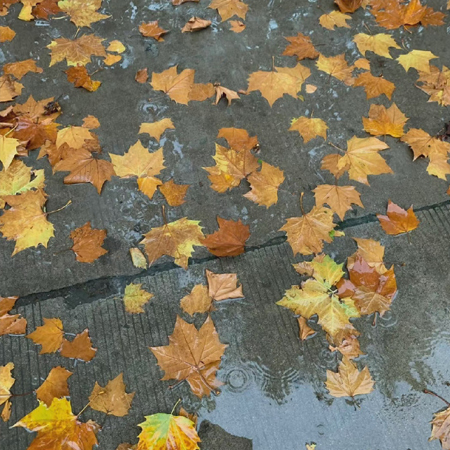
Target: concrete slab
216, 54
274, 391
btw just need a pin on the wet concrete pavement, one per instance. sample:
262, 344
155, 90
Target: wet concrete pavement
274, 392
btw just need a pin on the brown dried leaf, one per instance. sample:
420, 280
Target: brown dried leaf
142, 76
223, 286
80, 77
237, 26
301, 47
153, 30
174, 193
21, 68
54, 386
195, 24
264, 185
229, 8
79, 348
87, 243
156, 129
198, 301
10, 324
49, 336
398, 220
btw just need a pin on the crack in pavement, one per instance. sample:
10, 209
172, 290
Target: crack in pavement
105, 287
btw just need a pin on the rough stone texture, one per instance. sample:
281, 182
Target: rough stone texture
274, 393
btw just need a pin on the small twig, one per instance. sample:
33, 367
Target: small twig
22, 395
84, 409
336, 147
368, 29
301, 203
163, 208
427, 391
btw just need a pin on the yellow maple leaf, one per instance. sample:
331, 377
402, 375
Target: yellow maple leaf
418, 59
436, 84
374, 86
264, 185
57, 426
422, 144
165, 431
135, 297
306, 234
116, 47
348, 381
6, 382
439, 166
378, 43
176, 239
17, 179
382, 121
338, 198
139, 162
337, 67
309, 128
362, 159
231, 167
229, 8
334, 19
6, 34
8, 149
25, 221
156, 129
282, 80
82, 13
78, 51
198, 301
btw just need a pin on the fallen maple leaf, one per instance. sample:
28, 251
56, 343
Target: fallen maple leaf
306, 234
49, 336
9, 88
75, 137
80, 77
192, 355
142, 76
25, 221
176, 86
139, 162
374, 86
153, 30
362, 158
224, 92
349, 347
372, 291
112, 59
135, 298
232, 166
156, 129
138, 258
8, 149
200, 92
422, 144
436, 83
264, 185
229, 8
79, 348
21, 68
418, 59
238, 139
198, 301
165, 431
223, 286
91, 122
309, 128
111, 399
174, 193
54, 386
318, 296
281, 80
398, 220
176, 239
58, 427
304, 329
330, 163
83, 13
195, 24
116, 47
78, 51
337, 67
370, 251
334, 19
338, 198
378, 43
87, 243
45, 9
349, 6
229, 240
10, 324
348, 381
6, 34
301, 47
237, 26
382, 121
6, 383
84, 168
441, 428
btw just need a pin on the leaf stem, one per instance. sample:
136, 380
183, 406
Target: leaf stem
301, 203
60, 209
174, 406
335, 146
427, 391
84, 409
22, 395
